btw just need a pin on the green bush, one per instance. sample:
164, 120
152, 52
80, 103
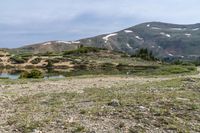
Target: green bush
48, 53
36, 61
82, 50
54, 60
28, 55
19, 59
145, 54
177, 69
33, 74
49, 64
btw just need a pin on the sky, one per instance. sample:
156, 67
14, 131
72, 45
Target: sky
24, 22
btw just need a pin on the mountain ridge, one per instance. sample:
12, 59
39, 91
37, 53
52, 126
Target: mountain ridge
164, 39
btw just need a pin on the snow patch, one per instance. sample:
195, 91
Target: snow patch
128, 31
63, 42
178, 28
128, 45
188, 35
108, 36
170, 54
69, 42
77, 42
139, 38
148, 25
47, 43
195, 29
155, 28
165, 34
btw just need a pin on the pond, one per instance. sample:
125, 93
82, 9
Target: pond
9, 76
15, 74
62, 73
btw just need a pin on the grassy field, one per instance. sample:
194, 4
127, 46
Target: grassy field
107, 92
101, 104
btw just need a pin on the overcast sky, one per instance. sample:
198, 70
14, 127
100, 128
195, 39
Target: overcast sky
30, 21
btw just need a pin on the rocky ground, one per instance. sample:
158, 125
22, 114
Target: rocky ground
101, 104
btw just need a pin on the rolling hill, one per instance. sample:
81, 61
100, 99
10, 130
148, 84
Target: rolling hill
165, 40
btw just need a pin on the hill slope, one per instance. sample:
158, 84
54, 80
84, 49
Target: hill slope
166, 40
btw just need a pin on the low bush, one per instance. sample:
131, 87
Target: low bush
82, 50
145, 54
19, 59
177, 69
36, 61
28, 55
33, 74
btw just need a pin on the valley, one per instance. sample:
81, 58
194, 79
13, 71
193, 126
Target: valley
100, 91
101, 104
141, 79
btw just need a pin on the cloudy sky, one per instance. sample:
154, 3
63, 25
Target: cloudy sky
30, 21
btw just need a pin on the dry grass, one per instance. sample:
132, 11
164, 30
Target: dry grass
168, 105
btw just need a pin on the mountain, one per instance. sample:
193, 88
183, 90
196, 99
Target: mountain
164, 39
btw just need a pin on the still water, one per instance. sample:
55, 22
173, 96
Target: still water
15, 74
62, 73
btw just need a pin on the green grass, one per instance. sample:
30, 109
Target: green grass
81, 50
171, 105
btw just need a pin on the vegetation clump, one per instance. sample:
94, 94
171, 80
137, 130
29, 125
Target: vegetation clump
145, 54
35, 74
81, 50
19, 59
36, 61
49, 64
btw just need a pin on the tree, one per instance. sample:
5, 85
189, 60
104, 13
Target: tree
145, 54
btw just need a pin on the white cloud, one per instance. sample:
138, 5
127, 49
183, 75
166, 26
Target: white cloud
83, 18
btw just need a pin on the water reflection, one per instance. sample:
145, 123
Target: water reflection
62, 73
15, 73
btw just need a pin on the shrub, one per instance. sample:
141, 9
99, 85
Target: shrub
48, 53
49, 64
145, 54
54, 60
82, 50
36, 61
18, 59
33, 74
177, 69
28, 55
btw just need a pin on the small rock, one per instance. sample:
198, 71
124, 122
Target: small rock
91, 132
142, 108
114, 103
36, 131
189, 80
182, 99
71, 120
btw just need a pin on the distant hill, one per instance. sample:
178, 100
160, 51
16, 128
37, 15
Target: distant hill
165, 40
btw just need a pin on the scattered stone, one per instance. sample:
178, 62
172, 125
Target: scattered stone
114, 103
71, 120
36, 131
91, 132
142, 108
189, 80
182, 99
